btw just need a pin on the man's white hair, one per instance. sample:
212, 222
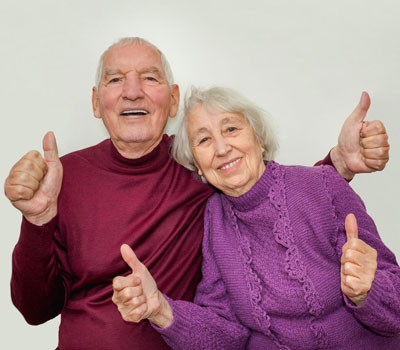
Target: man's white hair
135, 41
220, 99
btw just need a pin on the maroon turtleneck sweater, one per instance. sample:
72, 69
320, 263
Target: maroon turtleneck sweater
67, 265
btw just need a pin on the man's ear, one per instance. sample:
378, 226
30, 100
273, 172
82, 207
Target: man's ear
173, 110
95, 103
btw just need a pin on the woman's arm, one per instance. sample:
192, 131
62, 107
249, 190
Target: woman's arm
380, 311
209, 323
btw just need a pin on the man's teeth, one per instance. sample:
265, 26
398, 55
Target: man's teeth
231, 164
135, 112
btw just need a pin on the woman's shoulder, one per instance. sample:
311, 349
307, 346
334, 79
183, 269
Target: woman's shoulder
310, 174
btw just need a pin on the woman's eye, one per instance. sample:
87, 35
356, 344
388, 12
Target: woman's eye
231, 129
204, 139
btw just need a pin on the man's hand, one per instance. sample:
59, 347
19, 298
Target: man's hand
137, 296
362, 146
358, 264
34, 183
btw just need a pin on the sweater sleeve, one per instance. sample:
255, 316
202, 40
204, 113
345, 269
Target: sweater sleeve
38, 285
209, 322
380, 311
326, 161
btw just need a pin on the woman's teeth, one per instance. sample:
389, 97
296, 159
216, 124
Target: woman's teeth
231, 164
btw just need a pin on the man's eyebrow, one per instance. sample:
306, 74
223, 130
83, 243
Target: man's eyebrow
151, 69
108, 72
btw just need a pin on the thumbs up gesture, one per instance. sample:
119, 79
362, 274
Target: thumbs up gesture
34, 183
362, 146
137, 296
358, 264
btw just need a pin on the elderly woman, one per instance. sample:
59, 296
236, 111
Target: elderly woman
284, 264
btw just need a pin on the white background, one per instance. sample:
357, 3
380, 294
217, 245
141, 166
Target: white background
306, 62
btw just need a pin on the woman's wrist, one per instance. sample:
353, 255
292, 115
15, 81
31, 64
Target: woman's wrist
164, 317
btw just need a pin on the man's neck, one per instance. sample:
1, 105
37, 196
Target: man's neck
135, 150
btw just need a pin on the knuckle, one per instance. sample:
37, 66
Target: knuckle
346, 268
33, 155
27, 165
22, 193
126, 318
348, 281
378, 126
348, 254
136, 315
128, 293
381, 152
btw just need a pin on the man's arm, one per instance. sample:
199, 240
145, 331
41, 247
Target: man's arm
362, 147
33, 186
38, 285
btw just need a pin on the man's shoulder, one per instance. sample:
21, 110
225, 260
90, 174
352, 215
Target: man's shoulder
84, 154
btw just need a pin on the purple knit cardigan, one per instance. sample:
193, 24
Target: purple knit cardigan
271, 271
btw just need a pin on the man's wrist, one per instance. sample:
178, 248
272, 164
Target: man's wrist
42, 218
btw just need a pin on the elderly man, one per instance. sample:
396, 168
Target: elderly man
77, 211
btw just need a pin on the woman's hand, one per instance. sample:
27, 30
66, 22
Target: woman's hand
358, 264
137, 296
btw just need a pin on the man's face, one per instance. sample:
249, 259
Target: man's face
134, 99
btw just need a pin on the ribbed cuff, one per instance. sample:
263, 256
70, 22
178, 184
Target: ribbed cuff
37, 241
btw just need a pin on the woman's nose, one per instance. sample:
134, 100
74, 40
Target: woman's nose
222, 147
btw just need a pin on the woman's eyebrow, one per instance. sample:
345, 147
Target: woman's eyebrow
198, 132
229, 120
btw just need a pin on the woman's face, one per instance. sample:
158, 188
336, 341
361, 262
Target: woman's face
225, 149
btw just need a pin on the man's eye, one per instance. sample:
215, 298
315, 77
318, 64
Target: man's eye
231, 129
114, 80
150, 79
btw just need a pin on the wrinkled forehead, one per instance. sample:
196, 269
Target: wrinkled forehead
201, 108
132, 57
213, 110
205, 116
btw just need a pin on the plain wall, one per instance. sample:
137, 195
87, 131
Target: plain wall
306, 62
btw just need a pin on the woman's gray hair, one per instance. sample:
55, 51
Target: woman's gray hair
135, 41
220, 99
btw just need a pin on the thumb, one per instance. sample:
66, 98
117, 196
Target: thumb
351, 227
130, 258
359, 113
50, 147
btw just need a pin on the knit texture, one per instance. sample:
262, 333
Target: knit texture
67, 265
271, 271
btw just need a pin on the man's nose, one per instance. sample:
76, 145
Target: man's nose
132, 89
222, 147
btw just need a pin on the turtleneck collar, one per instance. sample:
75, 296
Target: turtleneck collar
154, 160
256, 195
